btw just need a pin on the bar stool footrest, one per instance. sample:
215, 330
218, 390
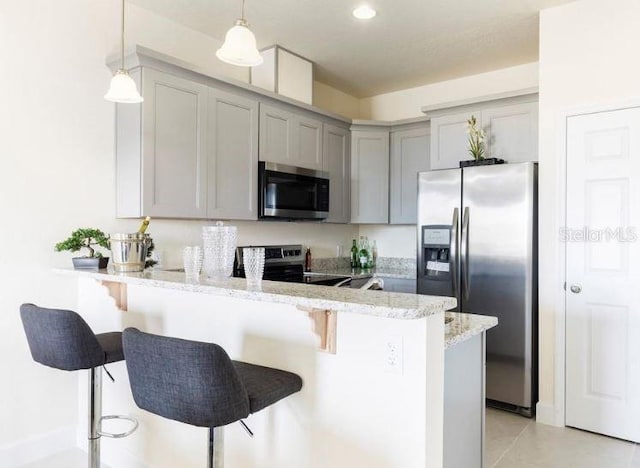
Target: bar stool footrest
119, 435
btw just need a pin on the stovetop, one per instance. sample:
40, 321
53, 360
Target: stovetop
286, 263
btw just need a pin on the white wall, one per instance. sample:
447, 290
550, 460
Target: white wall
334, 100
392, 241
57, 174
406, 103
586, 59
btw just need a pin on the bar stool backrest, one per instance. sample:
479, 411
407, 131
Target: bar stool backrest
60, 338
188, 381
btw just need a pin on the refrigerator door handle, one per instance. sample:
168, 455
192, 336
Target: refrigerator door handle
453, 252
464, 254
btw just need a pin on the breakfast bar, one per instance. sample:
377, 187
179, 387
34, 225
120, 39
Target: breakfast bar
372, 364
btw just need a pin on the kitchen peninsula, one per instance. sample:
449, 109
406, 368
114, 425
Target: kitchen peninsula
372, 364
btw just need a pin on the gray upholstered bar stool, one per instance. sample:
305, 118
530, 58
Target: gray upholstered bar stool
198, 384
63, 340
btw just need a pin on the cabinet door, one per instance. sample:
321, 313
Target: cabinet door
308, 138
233, 156
399, 285
449, 140
409, 155
370, 177
174, 172
277, 135
512, 132
336, 161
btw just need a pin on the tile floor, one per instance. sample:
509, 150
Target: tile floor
516, 442
511, 442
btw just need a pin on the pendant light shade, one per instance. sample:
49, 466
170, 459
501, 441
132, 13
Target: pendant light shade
123, 89
239, 46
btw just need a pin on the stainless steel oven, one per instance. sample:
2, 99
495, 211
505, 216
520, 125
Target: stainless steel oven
287, 192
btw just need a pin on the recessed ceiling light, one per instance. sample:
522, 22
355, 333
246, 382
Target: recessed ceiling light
364, 12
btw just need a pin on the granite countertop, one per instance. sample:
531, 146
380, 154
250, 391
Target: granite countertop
376, 303
466, 326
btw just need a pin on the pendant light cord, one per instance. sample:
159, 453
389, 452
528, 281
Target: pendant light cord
122, 37
242, 12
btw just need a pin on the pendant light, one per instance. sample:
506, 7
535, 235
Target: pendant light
123, 89
239, 46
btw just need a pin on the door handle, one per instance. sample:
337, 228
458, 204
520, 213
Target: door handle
453, 252
576, 288
464, 254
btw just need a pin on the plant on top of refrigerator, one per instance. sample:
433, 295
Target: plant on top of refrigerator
476, 139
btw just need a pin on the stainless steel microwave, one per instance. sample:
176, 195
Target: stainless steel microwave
287, 192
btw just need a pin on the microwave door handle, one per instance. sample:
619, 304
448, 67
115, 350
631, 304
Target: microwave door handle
464, 254
453, 252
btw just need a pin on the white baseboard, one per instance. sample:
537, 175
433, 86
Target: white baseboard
37, 447
549, 414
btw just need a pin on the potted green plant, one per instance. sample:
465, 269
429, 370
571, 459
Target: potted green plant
85, 239
476, 146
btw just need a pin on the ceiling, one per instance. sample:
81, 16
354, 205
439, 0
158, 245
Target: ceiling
409, 43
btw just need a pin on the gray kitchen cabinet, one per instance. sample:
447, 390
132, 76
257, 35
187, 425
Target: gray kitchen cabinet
464, 404
449, 139
290, 138
409, 155
370, 176
336, 161
512, 132
188, 151
161, 149
232, 152
511, 128
309, 137
276, 135
402, 285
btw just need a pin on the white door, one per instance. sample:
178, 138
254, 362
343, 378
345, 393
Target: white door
603, 273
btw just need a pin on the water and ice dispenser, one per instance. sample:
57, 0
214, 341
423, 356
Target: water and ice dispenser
435, 260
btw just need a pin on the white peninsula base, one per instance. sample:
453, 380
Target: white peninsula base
355, 410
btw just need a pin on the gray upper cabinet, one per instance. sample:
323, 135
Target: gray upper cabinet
277, 129
512, 132
511, 129
449, 137
174, 141
290, 138
370, 176
309, 139
188, 151
336, 161
232, 156
409, 155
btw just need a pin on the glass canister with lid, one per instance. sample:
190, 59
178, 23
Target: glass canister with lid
219, 245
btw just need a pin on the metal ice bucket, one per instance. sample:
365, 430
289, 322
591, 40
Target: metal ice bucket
129, 251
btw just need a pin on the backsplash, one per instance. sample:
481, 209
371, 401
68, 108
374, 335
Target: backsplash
343, 263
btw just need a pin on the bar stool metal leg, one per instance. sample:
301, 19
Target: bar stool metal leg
215, 458
95, 413
211, 459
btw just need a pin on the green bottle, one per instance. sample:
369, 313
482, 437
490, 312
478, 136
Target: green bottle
364, 255
354, 255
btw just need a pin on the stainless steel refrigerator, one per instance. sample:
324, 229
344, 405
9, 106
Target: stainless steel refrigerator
477, 241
